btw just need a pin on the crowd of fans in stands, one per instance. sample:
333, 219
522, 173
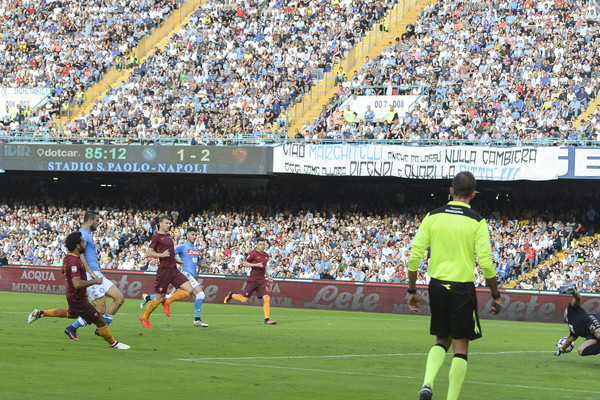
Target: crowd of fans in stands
499, 70
68, 46
234, 68
503, 70
327, 237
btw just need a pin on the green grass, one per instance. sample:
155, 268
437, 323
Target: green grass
310, 354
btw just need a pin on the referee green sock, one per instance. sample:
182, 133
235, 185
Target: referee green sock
435, 359
458, 370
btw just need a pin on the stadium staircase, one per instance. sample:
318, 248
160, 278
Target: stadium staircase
145, 47
373, 43
559, 256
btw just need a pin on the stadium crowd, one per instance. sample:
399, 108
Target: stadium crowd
68, 46
234, 68
347, 235
500, 70
504, 70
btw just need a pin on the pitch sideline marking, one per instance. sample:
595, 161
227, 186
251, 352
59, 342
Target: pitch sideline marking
209, 361
346, 356
486, 321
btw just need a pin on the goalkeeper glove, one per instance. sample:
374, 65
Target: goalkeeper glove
559, 351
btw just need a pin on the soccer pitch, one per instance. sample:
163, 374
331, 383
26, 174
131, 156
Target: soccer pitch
309, 354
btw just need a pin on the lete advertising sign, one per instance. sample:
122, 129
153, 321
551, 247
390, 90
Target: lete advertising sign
322, 295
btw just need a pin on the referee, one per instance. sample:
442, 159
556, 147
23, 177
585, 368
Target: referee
455, 234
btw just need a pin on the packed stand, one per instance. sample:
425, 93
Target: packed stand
68, 46
579, 265
512, 71
234, 68
310, 238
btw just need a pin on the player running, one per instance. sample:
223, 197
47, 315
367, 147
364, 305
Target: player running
188, 254
257, 260
581, 324
96, 293
77, 283
162, 247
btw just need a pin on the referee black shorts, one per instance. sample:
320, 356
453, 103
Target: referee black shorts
453, 310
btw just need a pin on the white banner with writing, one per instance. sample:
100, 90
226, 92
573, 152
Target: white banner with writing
380, 105
12, 98
413, 162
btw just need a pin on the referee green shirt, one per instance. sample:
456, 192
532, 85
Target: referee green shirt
455, 234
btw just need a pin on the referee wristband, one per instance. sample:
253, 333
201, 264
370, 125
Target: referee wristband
411, 291
496, 296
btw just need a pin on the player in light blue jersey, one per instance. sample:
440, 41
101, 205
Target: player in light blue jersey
188, 253
97, 293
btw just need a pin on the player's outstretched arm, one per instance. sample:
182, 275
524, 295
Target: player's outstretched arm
563, 349
576, 302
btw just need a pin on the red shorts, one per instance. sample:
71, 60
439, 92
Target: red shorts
164, 276
84, 310
260, 287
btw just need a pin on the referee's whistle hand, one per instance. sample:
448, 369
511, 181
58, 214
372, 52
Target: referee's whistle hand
496, 307
413, 302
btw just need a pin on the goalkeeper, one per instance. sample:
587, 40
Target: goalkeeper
581, 324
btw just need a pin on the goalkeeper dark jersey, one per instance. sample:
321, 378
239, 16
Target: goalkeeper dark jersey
580, 322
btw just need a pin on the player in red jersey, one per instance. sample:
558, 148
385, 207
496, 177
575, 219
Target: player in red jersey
258, 281
163, 248
79, 305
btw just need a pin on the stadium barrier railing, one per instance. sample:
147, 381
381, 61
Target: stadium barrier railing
275, 138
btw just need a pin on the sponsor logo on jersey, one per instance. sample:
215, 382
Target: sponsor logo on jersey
192, 252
